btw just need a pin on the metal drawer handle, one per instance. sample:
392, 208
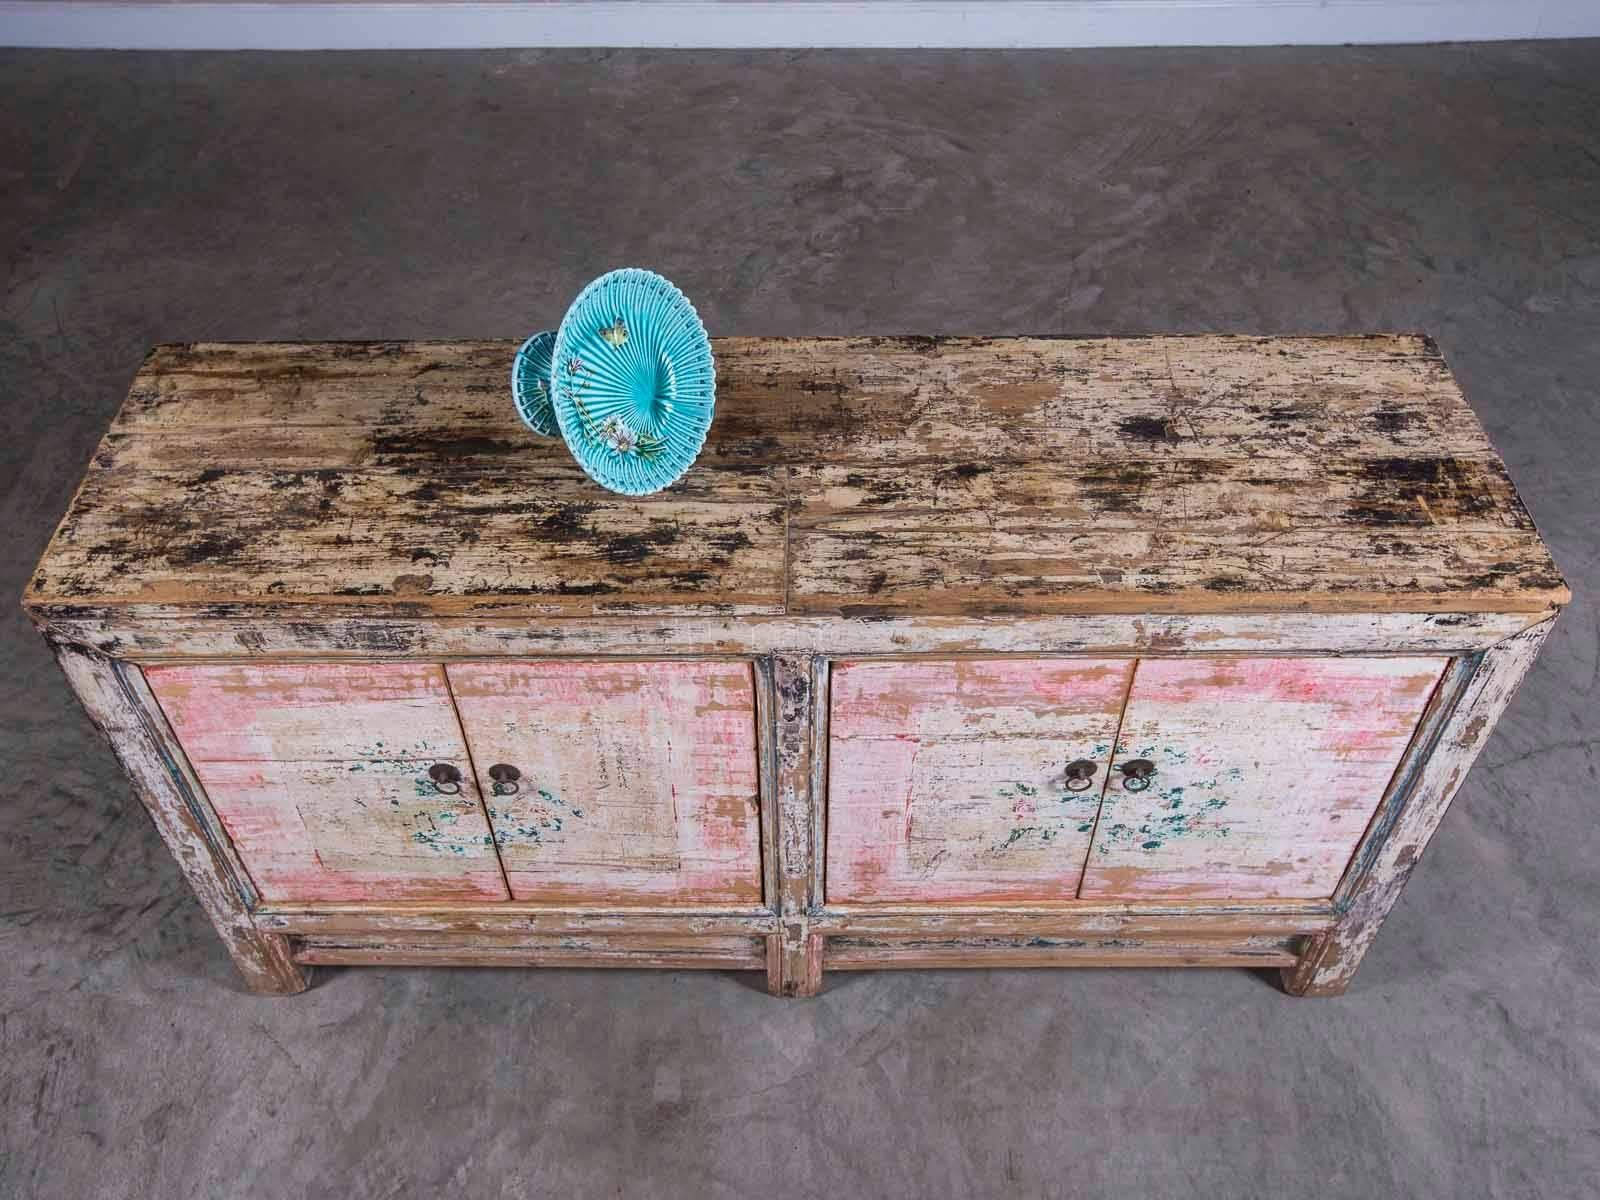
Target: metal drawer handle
505, 778
446, 778
1136, 774
1080, 775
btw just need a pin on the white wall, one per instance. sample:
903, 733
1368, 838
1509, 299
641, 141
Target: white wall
376, 24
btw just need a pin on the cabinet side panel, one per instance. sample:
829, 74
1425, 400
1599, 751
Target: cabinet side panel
946, 780
320, 774
117, 700
1330, 959
634, 779
1266, 774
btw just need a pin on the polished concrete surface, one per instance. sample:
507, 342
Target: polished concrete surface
1450, 189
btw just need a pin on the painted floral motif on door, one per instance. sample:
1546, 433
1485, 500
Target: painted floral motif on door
967, 779
1251, 778
618, 781
336, 781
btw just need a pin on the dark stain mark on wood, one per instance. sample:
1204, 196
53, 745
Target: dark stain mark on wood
732, 442
631, 548
1391, 420
1149, 429
210, 548
868, 612
1117, 487
441, 446
567, 522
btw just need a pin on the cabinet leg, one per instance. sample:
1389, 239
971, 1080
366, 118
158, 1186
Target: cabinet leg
1322, 970
268, 967
775, 964
794, 962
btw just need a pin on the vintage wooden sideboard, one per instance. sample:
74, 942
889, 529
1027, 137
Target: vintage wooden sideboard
948, 652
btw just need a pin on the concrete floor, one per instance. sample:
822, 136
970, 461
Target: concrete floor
159, 197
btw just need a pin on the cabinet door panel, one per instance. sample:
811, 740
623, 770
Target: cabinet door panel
637, 780
1267, 772
319, 773
946, 780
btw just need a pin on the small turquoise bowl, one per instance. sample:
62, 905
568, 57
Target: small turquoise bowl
633, 382
530, 384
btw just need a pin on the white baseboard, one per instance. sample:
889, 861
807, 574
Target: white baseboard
465, 24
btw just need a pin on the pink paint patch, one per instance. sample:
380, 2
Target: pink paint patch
319, 773
638, 780
1267, 772
946, 780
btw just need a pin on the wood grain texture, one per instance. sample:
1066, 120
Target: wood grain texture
800, 705
1169, 918
1190, 535
921, 476
1330, 960
1267, 773
116, 700
156, 633
946, 779
634, 951
837, 400
1075, 918
319, 772
769, 823
514, 917
932, 953
541, 540
639, 780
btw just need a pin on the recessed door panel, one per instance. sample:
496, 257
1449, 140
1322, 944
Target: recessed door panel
336, 782
1251, 778
618, 781
967, 780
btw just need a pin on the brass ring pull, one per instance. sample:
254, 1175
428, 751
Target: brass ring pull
446, 778
1080, 775
505, 778
1136, 774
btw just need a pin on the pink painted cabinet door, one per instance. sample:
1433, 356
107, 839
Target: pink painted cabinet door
320, 774
635, 781
1266, 774
948, 781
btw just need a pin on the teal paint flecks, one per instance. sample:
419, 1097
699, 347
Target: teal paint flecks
1041, 820
1181, 816
446, 832
537, 825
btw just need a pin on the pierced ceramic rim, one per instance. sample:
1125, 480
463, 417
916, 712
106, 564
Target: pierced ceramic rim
530, 384
574, 435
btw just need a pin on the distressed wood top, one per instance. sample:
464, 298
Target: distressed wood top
870, 477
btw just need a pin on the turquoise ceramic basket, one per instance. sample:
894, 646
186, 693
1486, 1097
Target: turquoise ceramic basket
632, 381
530, 384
